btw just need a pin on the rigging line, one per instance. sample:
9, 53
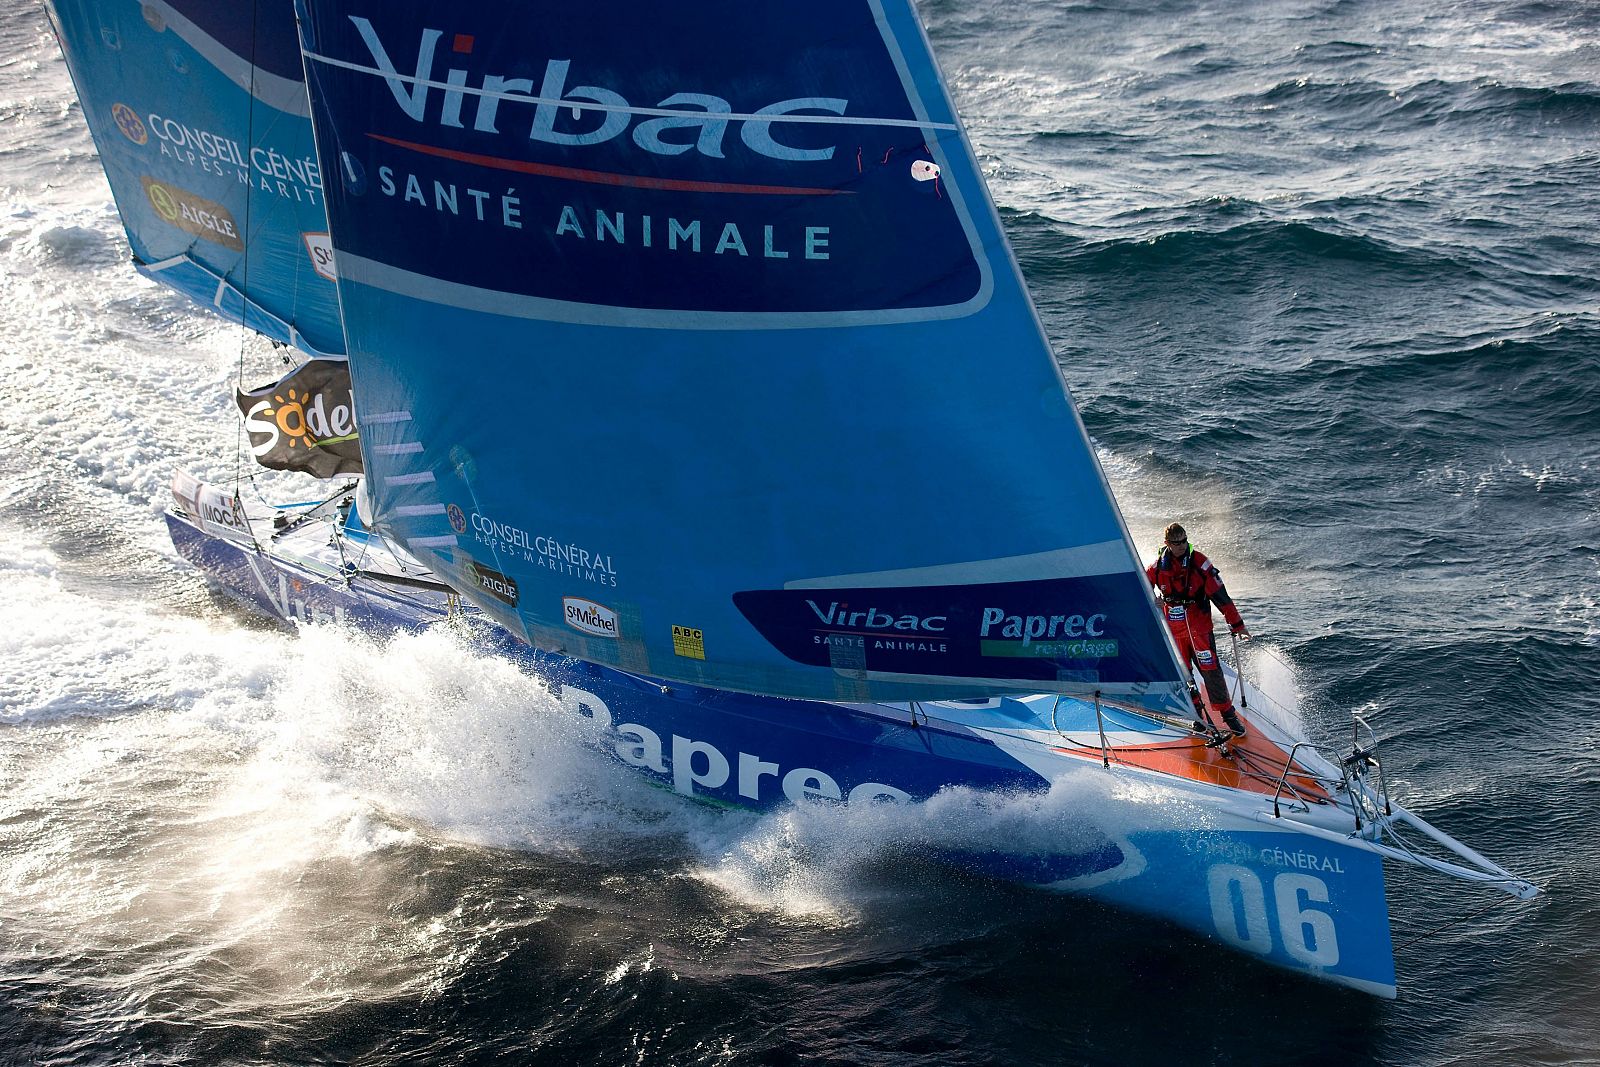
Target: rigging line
1454, 922
1192, 744
1075, 743
244, 278
342, 532
1249, 772
307, 515
626, 109
1188, 744
1253, 760
1294, 768
255, 487
1265, 650
1251, 764
336, 527
1405, 846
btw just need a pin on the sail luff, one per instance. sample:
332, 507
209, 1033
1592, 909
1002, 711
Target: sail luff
1174, 665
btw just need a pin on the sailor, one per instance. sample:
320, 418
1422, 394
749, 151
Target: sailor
1188, 585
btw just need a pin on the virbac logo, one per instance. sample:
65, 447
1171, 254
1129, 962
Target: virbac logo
586, 103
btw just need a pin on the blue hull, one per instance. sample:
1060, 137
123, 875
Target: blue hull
1300, 902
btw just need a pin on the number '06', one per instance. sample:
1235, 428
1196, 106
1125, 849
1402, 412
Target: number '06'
1308, 933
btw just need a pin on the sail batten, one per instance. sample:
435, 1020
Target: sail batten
194, 279
672, 410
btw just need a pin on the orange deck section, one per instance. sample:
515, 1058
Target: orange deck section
1253, 763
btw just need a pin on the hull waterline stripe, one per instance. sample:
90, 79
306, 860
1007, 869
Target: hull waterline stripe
1016, 687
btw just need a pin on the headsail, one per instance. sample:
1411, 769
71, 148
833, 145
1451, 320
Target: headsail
199, 113
693, 346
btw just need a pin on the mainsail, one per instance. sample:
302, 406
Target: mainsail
692, 345
200, 117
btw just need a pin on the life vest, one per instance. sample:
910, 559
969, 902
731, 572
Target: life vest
1183, 579
1190, 582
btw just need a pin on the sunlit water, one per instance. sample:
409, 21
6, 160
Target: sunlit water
1323, 279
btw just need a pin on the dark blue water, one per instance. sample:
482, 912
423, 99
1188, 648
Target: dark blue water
1323, 278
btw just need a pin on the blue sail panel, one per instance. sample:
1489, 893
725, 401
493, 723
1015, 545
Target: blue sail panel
693, 346
199, 113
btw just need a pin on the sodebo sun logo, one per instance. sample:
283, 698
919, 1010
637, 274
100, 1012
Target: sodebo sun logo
591, 618
613, 115
305, 420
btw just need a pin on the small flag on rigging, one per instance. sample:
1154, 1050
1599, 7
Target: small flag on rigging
305, 421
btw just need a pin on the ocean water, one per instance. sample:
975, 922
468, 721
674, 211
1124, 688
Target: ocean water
1322, 275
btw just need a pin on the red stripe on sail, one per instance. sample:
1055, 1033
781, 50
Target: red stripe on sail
601, 177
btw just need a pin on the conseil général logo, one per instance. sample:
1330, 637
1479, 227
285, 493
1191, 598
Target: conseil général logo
130, 124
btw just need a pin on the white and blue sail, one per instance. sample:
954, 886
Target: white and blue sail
199, 113
693, 346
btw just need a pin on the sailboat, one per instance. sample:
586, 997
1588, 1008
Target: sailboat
687, 356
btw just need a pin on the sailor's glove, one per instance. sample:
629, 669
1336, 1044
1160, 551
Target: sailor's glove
1238, 629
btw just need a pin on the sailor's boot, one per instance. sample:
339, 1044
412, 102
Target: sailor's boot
1231, 719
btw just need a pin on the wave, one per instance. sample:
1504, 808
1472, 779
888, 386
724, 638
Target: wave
1484, 362
1424, 103
1336, 51
1259, 245
1102, 140
1567, 101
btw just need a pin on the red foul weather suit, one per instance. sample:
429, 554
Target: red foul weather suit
1188, 585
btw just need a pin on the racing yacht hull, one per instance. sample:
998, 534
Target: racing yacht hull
1154, 821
